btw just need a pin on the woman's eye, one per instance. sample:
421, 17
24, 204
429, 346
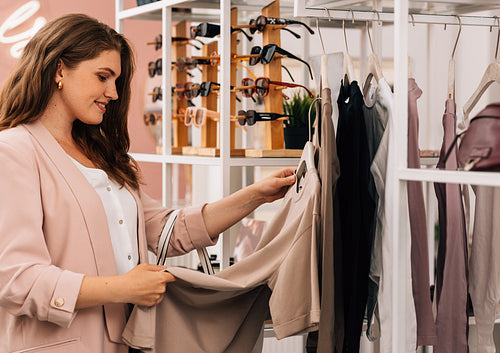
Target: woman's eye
102, 78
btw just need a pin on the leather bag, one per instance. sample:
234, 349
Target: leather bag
479, 148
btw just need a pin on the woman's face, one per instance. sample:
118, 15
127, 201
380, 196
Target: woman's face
89, 87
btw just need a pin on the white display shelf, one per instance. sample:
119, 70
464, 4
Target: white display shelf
152, 11
450, 176
215, 161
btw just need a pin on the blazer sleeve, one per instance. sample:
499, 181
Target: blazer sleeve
29, 284
189, 232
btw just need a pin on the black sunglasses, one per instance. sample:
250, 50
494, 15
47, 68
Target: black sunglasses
266, 54
261, 22
250, 117
189, 63
151, 119
158, 41
154, 67
210, 30
207, 86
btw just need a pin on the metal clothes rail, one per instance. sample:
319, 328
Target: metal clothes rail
349, 15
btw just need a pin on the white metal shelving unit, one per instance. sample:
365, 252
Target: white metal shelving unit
162, 11
398, 12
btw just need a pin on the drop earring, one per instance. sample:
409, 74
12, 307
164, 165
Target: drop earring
59, 85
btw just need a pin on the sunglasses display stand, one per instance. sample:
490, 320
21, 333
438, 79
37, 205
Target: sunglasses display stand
180, 130
209, 129
275, 143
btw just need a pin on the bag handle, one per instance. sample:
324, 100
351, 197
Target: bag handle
164, 242
448, 152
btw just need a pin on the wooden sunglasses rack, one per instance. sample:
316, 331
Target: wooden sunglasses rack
273, 101
208, 146
275, 143
180, 130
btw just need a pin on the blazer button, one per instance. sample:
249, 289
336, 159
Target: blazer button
59, 302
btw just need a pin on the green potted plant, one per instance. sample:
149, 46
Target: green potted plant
296, 130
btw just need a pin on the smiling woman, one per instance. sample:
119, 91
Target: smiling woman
75, 226
80, 48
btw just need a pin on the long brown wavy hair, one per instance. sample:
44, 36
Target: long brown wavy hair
75, 38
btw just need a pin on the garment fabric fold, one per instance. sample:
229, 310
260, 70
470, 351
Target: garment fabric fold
376, 110
329, 335
225, 312
426, 328
452, 272
356, 210
382, 256
484, 264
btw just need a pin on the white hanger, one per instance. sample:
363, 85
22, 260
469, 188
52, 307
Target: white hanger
373, 68
348, 65
324, 58
492, 74
451, 66
307, 159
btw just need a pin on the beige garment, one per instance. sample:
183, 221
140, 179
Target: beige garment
225, 312
484, 265
330, 332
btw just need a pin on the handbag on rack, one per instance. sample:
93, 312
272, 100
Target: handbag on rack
479, 148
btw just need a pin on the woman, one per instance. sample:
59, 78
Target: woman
75, 226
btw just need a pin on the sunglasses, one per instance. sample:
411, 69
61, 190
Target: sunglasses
156, 94
188, 90
260, 86
181, 90
198, 116
190, 63
266, 54
262, 21
210, 30
152, 118
154, 68
158, 41
250, 117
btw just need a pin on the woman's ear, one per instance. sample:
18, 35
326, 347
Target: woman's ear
60, 71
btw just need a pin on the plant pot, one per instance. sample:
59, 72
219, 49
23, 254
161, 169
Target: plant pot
296, 137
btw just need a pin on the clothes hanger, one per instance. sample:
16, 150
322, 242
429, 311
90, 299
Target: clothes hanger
451, 66
348, 65
307, 159
410, 60
373, 68
324, 58
492, 74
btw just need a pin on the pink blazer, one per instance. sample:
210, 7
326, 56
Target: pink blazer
53, 231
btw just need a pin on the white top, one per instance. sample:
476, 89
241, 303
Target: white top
121, 214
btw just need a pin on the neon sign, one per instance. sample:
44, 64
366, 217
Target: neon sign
18, 17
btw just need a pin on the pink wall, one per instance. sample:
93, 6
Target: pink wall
138, 32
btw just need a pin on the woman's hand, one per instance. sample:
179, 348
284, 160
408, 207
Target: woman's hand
144, 285
275, 186
222, 214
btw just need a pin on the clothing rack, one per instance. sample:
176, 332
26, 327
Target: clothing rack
402, 19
